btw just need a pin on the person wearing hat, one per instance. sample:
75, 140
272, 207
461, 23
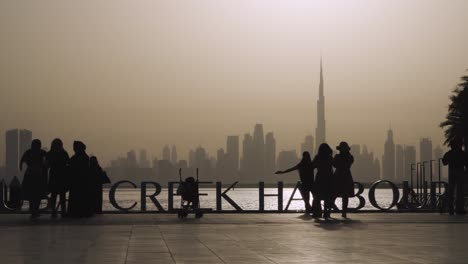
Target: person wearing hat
343, 184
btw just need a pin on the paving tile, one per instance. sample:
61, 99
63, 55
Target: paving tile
240, 238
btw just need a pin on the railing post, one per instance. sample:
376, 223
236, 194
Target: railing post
404, 197
2, 195
218, 197
261, 196
440, 173
280, 196
433, 195
418, 172
170, 196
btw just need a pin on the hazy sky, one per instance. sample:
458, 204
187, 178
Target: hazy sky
126, 75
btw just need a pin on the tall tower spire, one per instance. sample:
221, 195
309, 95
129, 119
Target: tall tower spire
320, 130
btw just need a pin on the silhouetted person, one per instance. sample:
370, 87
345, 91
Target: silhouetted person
323, 180
343, 184
57, 161
98, 178
455, 158
306, 174
35, 178
80, 203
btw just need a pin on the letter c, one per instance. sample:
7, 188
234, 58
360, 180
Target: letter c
112, 196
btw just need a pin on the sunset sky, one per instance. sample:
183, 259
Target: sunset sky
123, 75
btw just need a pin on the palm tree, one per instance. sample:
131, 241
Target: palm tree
456, 123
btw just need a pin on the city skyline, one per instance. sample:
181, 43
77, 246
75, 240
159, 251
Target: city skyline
119, 83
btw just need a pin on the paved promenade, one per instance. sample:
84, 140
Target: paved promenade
235, 238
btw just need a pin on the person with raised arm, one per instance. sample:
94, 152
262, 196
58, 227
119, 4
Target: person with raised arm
306, 175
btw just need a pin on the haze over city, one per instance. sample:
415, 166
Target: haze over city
122, 76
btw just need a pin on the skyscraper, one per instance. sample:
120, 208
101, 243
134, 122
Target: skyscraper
16, 143
166, 154
425, 150
399, 163
410, 158
131, 159
259, 152
232, 150
247, 155
270, 153
388, 159
11, 155
25, 139
144, 162
438, 154
320, 130
174, 159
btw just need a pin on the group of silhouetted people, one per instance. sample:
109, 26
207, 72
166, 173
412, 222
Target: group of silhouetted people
327, 184
56, 173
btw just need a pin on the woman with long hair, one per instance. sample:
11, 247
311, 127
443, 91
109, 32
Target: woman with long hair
323, 180
57, 161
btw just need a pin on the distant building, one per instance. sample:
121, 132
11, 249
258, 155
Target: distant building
320, 133
364, 169
258, 159
144, 162
270, 154
308, 145
174, 159
132, 159
438, 154
247, 155
166, 154
399, 163
232, 150
166, 172
388, 159
286, 160
410, 158
191, 158
425, 149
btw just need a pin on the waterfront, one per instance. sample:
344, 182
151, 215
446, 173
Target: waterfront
246, 198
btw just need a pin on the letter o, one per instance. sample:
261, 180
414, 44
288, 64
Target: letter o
396, 194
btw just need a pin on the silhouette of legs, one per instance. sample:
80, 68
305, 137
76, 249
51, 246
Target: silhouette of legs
328, 207
305, 192
451, 193
53, 201
316, 208
34, 207
345, 206
460, 200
